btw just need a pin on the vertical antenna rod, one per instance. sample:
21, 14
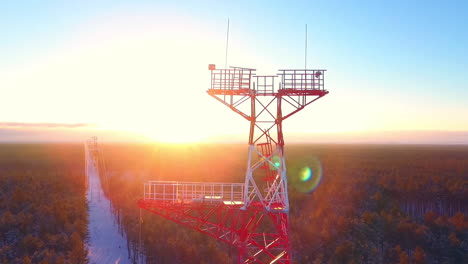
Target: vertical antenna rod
227, 46
305, 63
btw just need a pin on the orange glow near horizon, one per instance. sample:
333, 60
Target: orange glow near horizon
163, 130
178, 136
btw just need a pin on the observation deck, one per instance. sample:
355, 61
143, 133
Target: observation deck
245, 82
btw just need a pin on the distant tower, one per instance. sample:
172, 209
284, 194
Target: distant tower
252, 216
97, 157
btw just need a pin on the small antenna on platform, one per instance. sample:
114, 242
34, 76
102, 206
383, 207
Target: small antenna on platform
305, 63
227, 46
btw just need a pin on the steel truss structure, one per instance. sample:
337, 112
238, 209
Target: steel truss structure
252, 216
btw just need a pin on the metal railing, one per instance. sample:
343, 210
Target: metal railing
190, 192
242, 79
235, 78
302, 79
265, 83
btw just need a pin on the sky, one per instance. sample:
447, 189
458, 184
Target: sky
138, 69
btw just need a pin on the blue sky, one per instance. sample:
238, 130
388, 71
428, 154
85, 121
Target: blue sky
392, 65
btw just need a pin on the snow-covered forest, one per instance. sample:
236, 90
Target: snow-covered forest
375, 204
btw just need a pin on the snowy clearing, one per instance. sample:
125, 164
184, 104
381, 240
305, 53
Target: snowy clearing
106, 244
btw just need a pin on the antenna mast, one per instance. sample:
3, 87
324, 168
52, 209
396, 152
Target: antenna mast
227, 45
305, 64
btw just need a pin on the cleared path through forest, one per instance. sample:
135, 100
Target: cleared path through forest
106, 244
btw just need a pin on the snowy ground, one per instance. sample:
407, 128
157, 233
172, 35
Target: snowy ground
105, 245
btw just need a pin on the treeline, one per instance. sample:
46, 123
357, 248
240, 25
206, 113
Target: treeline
43, 212
375, 204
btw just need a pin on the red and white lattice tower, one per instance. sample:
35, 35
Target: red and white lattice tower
252, 216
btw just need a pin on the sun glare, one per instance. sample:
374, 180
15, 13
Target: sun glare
175, 137
174, 133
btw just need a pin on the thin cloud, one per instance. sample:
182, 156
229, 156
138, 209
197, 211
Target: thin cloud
43, 125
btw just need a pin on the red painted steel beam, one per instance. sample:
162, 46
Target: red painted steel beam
230, 224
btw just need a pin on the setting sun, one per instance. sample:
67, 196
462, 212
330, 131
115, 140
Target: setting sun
174, 135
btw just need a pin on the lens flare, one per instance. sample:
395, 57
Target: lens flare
276, 160
305, 174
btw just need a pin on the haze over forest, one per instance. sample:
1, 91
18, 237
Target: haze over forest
57, 134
